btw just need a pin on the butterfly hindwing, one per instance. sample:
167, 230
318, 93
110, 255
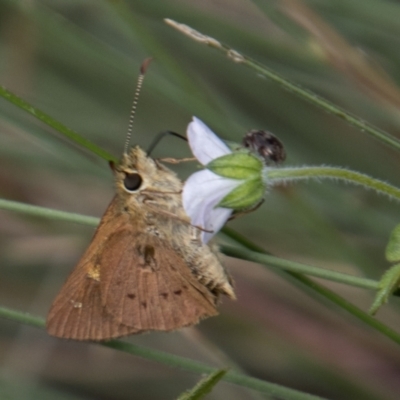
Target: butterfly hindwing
149, 286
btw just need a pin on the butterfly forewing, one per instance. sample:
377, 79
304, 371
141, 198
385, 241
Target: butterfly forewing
77, 311
149, 286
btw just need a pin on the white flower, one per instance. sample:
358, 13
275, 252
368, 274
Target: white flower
204, 190
204, 143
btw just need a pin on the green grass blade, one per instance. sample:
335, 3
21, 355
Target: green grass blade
313, 98
203, 387
175, 361
58, 126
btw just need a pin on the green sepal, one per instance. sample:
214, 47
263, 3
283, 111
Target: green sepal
393, 247
204, 387
387, 285
245, 196
236, 166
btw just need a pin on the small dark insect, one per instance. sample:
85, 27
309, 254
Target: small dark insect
267, 145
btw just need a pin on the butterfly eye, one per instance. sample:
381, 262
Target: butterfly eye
132, 182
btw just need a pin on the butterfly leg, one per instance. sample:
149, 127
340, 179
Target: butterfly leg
152, 205
244, 212
166, 213
175, 160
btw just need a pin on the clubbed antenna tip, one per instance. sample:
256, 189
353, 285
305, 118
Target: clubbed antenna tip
145, 65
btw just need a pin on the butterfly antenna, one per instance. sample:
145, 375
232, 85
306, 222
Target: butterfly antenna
161, 135
143, 69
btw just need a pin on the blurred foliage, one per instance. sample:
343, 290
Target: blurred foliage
78, 61
203, 387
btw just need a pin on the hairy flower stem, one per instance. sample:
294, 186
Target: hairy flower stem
275, 176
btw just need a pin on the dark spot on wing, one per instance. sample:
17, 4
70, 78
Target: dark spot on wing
131, 296
149, 255
164, 295
178, 292
144, 304
147, 258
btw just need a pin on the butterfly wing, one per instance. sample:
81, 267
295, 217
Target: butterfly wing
113, 293
150, 286
77, 312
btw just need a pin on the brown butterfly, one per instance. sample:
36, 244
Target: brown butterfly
146, 268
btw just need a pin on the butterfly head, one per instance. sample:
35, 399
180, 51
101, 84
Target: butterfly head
137, 172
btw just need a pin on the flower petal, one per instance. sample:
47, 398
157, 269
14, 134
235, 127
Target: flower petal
201, 193
204, 143
217, 217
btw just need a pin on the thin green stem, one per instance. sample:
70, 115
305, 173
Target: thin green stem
64, 130
261, 69
203, 387
345, 305
44, 212
307, 283
293, 266
241, 253
23, 318
171, 360
303, 173
314, 289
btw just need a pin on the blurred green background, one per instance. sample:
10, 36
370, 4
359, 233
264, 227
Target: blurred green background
78, 61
